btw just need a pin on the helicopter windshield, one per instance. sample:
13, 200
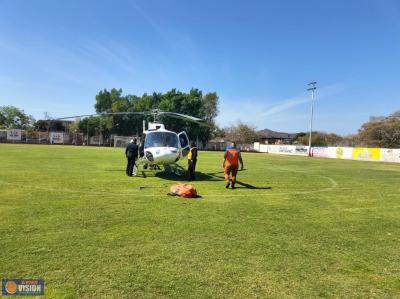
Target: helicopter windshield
161, 139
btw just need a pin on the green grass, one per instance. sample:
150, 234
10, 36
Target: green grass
325, 228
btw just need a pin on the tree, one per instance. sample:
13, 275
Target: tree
13, 118
319, 139
192, 103
41, 125
74, 126
90, 125
350, 140
218, 132
209, 113
105, 99
210, 106
381, 131
241, 133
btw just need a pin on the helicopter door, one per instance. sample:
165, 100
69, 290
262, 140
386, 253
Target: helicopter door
184, 141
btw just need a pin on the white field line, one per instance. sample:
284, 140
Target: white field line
369, 208
333, 185
65, 190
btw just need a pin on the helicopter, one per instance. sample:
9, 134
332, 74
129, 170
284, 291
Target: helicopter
159, 147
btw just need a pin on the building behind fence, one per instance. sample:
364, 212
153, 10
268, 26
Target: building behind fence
68, 138
122, 141
75, 138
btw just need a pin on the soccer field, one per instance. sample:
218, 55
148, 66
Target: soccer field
294, 227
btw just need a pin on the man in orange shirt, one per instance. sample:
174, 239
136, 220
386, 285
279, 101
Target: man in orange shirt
232, 158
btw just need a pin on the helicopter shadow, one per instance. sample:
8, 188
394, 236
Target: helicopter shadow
200, 176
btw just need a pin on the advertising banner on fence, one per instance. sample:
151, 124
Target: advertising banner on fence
56, 137
298, 150
14, 134
366, 154
348, 153
344, 153
263, 148
301, 150
390, 155
324, 152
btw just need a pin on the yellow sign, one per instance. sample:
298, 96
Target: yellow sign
339, 153
366, 154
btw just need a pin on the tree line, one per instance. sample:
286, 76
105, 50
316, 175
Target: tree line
378, 131
381, 131
192, 103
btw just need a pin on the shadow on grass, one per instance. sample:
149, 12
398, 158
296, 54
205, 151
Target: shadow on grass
200, 176
241, 184
248, 186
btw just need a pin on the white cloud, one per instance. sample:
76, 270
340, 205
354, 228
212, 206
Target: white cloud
287, 115
285, 105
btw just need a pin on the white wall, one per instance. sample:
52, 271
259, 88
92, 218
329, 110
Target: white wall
347, 153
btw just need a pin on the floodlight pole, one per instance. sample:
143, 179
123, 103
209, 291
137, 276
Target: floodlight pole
312, 88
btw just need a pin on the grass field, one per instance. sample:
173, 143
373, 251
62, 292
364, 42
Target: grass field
295, 227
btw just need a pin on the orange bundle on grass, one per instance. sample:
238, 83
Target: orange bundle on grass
183, 190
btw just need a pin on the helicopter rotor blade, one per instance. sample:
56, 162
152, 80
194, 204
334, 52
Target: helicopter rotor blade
124, 113
103, 114
194, 119
154, 112
182, 116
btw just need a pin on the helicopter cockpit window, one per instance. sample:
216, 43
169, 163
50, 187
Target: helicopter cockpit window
183, 140
171, 140
161, 139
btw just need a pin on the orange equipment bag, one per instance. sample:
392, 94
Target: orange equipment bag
183, 190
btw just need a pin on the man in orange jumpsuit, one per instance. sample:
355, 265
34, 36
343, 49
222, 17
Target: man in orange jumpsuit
232, 158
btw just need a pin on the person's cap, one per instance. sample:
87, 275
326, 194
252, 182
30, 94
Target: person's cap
131, 140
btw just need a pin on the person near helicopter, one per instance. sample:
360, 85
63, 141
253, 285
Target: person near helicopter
131, 153
192, 160
232, 158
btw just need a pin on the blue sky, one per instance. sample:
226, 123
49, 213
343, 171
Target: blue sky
257, 55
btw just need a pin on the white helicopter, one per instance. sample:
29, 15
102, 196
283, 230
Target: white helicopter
159, 146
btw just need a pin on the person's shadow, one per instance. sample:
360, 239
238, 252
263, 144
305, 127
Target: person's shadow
241, 184
248, 186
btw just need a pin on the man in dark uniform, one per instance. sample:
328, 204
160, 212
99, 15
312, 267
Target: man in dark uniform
192, 160
131, 153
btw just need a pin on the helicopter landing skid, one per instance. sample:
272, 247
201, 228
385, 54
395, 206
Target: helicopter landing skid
143, 165
175, 169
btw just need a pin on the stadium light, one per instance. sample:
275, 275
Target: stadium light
312, 87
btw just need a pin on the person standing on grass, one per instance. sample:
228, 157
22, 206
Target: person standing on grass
131, 153
232, 158
192, 160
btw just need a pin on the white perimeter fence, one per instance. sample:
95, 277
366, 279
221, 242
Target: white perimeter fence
347, 153
22, 136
